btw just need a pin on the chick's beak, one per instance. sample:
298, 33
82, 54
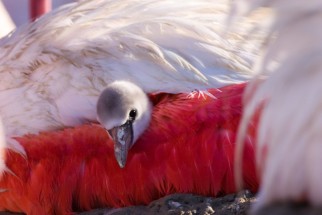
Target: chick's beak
123, 141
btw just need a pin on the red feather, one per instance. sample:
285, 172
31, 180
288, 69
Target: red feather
188, 147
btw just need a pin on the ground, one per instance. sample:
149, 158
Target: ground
189, 204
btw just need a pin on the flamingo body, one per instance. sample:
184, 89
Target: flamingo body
188, 147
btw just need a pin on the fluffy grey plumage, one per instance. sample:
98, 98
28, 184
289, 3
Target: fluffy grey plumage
125, 111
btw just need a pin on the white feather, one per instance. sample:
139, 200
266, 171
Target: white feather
6, 23
53, 70
290, 123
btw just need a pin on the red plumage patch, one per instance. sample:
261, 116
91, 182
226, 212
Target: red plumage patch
188, 147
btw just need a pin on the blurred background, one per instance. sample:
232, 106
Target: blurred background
19, 9
18, 12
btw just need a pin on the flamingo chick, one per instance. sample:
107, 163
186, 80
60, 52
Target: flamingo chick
125, 112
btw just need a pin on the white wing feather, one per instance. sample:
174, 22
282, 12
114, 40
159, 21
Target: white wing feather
291, 121
53, 70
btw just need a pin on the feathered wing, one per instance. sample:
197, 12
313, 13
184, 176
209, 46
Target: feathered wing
289, 131
53, 70
144, 41
75, 169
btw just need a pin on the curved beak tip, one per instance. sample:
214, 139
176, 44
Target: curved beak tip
120, 156
121, 164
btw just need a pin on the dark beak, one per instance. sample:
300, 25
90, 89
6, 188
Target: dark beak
123, 141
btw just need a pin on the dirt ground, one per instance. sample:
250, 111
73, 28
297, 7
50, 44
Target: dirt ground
189, 204
183, 204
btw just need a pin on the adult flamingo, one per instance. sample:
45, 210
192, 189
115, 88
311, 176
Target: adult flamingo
53, 70
188, 147
289, 129
156, 45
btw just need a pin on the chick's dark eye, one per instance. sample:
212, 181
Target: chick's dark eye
132, 114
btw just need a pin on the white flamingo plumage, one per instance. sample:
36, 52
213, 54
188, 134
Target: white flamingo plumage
53, 70
289, 139
6, 23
